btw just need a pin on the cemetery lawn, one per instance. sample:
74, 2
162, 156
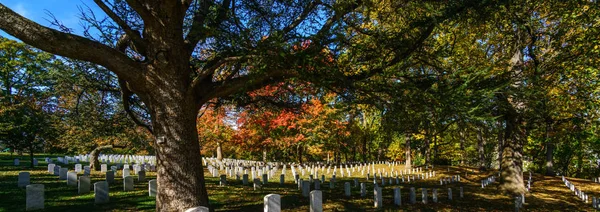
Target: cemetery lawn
547, 194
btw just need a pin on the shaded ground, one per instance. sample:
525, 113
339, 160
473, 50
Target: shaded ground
547, 194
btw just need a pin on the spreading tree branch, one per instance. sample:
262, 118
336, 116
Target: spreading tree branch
68, 45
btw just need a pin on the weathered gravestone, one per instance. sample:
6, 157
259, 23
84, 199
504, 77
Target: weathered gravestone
86, 171
103, 168
152, 188
34, 197
24, 179
413, 197
305, 188
363, 189
397, 197
101, 195
56, 170
378, 198
62, 174
316, 201
17, 162
77, 168
83, 186
72, 178
141, 176
51, 168
272, 203
128, 183
125, 172
347, 189
257, 184
245, 179
110, 177
223, 180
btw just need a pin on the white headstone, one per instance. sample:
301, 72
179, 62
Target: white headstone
198, 209
316, 201
152, 188
72, 178
128, 183
101, 192
34, 197
272, 203
378, 198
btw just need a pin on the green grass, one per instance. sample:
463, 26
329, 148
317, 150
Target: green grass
548, 193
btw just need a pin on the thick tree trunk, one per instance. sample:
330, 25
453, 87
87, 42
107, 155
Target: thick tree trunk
481, 150
549, 151
407, 153
94, 162
180, 175
512, 158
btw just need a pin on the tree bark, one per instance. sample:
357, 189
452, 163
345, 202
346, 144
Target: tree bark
549, 151
500, 144
219, 151
31, 153
427, 147
180, 175
512, 158
481, 149
94, 162
407, 153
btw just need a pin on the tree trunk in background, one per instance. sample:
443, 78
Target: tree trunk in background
500, 144
354, 153
407, 152
481, 149
31, 153
365, 154
462, 147
427, 149
435, 150
219, 151
549, 151
299, 153
264, 154
94, 162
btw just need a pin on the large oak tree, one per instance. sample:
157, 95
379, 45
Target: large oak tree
176, 56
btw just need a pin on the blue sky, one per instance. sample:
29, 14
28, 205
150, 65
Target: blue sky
65, 10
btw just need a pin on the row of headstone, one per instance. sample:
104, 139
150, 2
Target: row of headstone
580, 194
489, 180
17, 162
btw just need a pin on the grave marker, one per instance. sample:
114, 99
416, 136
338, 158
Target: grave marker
24, 179
34, 197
